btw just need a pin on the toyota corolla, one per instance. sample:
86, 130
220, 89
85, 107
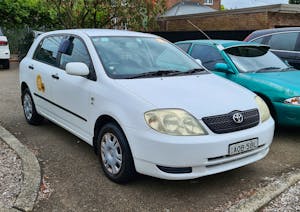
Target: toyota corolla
143, 104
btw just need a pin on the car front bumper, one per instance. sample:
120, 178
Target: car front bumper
205, 155
287, 115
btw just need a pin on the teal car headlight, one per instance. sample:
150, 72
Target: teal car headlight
293, 101
264, 111
174, 122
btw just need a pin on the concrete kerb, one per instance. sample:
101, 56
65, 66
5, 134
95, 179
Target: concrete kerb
263, 196
31, 173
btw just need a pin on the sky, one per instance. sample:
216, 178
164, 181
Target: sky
234, 4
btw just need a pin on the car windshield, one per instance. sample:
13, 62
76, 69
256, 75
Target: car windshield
255, 59
139, 57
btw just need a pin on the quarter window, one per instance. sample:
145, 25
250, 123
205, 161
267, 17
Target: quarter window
184, 46
284, 41
47, 51
208, 55
259, 40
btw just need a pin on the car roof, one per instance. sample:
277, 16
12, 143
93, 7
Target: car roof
224, 43
101, 32
262, 32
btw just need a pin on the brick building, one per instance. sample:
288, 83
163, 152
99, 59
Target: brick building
271, 16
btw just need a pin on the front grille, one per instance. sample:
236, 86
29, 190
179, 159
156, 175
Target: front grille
225, 124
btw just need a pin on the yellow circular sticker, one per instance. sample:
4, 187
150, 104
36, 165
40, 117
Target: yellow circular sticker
40, 84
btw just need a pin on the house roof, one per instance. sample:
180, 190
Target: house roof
279, 8
187, 8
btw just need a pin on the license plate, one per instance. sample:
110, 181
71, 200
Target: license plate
243, 146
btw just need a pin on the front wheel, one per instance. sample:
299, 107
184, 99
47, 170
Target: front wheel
114, 154
31, 115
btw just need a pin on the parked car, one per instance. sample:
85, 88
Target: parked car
4, 51
143, 104
253, 66
284, 42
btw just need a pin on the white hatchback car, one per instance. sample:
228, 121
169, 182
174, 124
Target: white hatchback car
144, 104
4, 51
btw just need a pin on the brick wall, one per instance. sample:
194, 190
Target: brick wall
231, 20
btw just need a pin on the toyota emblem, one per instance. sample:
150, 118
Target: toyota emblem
238, 118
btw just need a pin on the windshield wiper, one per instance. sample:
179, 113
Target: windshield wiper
266, 69
192, 71
159, 73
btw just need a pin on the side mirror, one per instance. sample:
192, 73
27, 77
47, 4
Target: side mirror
223, 67
77, 69
199, 62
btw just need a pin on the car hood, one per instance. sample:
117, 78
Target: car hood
200, 95
288, 80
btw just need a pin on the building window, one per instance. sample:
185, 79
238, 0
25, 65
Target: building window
208, 2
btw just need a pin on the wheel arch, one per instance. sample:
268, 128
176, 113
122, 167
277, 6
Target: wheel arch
24, 86
100, 122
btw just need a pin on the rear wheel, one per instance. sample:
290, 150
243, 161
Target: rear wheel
31, 115
6, 64
114, 154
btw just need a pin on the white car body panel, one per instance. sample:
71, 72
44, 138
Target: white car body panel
4, 50
126, 101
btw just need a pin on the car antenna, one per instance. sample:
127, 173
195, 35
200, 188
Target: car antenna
220, 47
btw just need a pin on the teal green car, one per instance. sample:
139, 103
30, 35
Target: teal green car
253, 66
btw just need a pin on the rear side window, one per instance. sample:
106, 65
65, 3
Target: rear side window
47, 50
208, 55
284, 41
184, 46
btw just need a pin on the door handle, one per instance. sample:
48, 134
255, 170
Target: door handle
55, 76
31, 67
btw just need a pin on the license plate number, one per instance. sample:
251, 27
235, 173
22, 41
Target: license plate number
243, 146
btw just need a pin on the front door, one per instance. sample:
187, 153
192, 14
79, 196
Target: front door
72, 94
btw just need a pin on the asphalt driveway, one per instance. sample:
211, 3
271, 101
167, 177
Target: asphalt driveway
76, 182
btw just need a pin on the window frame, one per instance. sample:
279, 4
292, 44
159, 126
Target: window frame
208, 2
66, 35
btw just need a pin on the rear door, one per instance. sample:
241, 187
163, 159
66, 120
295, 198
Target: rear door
284, 46
42, 68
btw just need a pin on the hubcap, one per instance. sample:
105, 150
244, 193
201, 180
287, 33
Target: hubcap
27, 105
111, 153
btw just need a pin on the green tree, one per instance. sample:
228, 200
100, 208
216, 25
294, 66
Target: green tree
294, 1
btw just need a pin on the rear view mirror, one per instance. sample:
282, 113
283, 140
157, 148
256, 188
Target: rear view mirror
77, 69
66, 47
223, 67
199, 62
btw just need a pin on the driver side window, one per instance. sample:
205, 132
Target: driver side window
208, 55
77, 52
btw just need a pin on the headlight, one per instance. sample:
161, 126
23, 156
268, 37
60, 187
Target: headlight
264, 111
293, 101
174, 122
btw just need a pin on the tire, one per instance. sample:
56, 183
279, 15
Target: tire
30, 113
114, 154
6, 64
